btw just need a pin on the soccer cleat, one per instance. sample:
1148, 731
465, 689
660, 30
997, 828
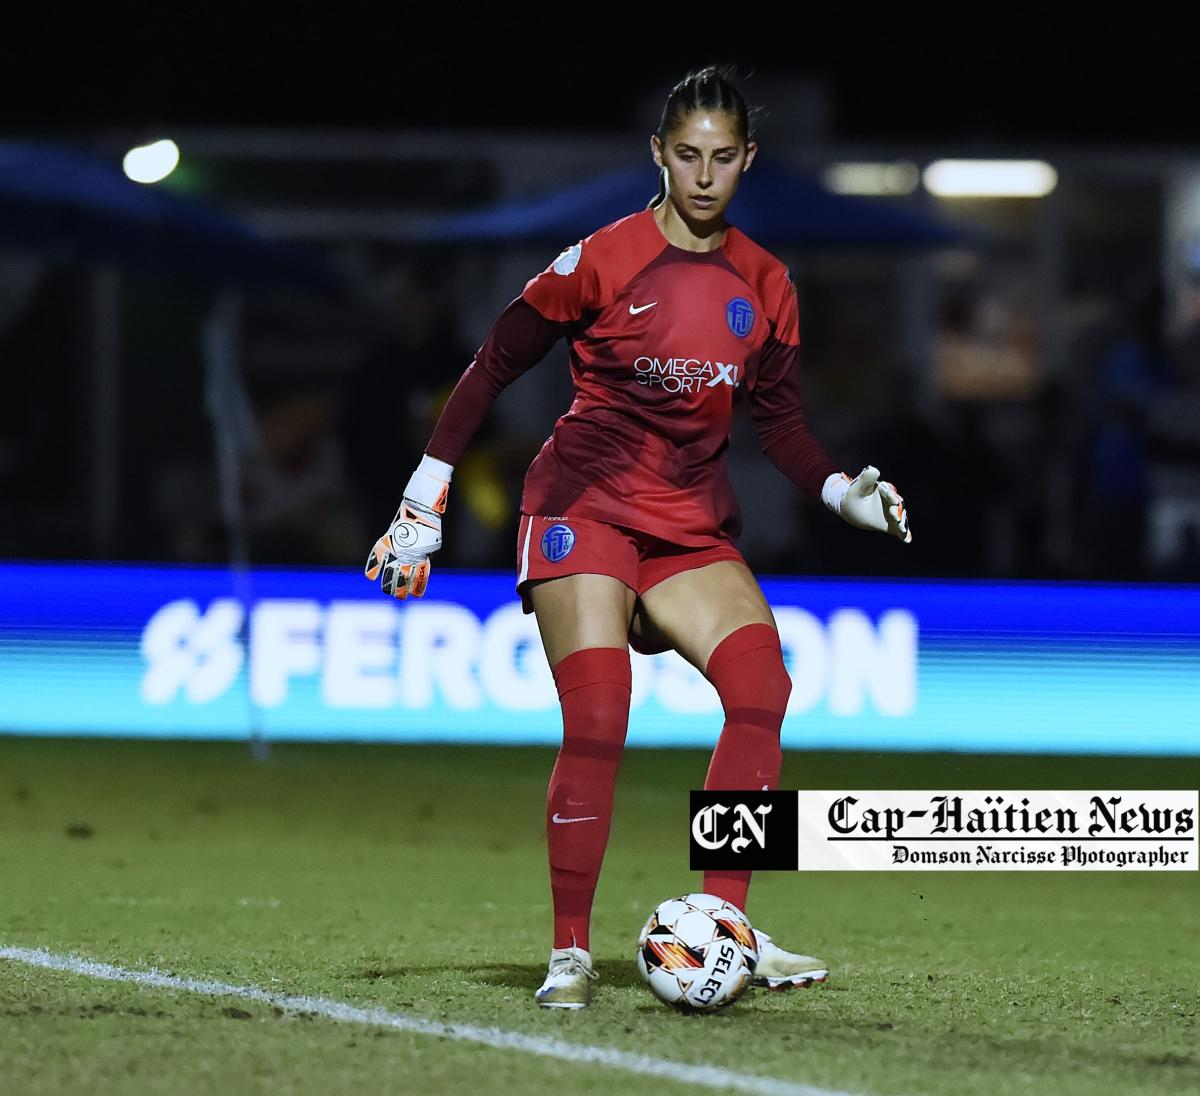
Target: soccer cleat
569, 980
779, 969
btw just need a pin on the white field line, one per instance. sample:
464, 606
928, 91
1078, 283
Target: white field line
704, 1076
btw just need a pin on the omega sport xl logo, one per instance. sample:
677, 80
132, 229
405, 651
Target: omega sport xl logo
685, 374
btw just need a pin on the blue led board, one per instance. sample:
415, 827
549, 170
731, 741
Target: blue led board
321, 655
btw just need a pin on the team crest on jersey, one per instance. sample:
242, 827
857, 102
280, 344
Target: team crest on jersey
739, 314
568, 260
557, 542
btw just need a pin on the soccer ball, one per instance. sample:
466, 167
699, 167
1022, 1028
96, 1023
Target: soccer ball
697, 953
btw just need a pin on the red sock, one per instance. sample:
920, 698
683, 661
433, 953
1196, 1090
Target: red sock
749, 675
593, 688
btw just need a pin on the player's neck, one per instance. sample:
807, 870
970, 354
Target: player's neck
687, 235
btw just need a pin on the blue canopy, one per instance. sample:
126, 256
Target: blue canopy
68, 205
773, 205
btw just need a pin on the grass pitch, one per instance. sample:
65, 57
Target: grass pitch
414, 879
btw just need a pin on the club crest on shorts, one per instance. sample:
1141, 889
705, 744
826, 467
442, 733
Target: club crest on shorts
739, 314
557, 542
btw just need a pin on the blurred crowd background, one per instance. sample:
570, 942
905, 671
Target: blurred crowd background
1033, 388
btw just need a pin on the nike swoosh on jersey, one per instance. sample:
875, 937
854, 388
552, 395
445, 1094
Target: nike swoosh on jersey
641, 308
558, 818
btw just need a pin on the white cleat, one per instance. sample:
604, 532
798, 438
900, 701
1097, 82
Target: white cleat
779, 969
569, 980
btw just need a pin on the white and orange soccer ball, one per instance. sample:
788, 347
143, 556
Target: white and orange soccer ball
697, 953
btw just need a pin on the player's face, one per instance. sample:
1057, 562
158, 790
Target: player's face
704, 157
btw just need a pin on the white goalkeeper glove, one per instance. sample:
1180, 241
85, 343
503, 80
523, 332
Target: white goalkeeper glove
401, 555
867, 502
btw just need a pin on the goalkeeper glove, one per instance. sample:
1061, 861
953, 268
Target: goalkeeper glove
401, 555
867, 502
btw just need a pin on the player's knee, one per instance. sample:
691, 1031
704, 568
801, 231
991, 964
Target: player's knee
757, 681
775, 685
761, 700
594, 690
599, 730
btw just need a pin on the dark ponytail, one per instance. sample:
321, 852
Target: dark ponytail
708, 88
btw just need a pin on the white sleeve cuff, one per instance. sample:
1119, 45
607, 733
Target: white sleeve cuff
438, 469
428, 483
834, 491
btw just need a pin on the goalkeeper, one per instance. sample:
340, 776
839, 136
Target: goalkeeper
628, 521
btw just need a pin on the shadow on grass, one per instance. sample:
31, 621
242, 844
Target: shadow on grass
613, 972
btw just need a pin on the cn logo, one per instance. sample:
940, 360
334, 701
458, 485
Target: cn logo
705, 826
734, 830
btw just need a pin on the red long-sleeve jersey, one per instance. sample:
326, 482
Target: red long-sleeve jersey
663, 342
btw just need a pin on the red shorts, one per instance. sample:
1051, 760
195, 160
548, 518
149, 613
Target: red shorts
549, 547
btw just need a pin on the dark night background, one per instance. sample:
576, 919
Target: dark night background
1005, 76
1066, 291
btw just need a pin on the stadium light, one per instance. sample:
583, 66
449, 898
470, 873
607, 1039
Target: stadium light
898, 177
990, 178
151, 163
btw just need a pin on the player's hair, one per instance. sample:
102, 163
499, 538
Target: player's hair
708, 88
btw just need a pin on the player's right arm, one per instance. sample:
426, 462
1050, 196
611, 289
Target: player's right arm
549, 308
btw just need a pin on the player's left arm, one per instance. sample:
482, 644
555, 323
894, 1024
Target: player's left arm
777, 406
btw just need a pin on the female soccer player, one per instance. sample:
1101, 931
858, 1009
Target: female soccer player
628, 520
